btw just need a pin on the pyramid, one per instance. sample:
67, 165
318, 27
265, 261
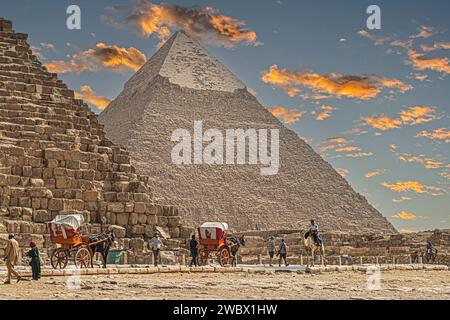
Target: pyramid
55, 159
183, 83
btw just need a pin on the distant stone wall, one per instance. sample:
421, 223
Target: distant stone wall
55, 159
355, 246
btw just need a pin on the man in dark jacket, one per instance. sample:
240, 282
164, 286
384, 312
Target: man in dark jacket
193, 245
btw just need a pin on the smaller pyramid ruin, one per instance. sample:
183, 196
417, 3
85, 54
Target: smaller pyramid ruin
55, 159
183, 83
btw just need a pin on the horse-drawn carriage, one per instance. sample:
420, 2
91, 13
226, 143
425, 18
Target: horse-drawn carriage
213, 243
66, 234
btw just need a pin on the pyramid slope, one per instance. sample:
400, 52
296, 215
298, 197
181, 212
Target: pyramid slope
305, 187
55, 159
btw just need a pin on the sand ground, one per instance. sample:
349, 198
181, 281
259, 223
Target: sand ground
346, 285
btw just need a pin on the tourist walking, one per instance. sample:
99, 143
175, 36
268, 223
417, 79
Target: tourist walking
35, 262
193, 245
271, 249
156, 247
282, 251
12, 258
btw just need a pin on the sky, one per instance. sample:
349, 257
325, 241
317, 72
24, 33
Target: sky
374, 103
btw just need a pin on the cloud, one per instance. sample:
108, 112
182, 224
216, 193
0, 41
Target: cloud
288, 116
411, 116
347, 149
407, 230
359, 155
374, 173
404, 215
401, 199
414, 186
205, 24
383, 122
331, 85
445, 174
326, 112
417, 60
427, 162
438, 134
436, 46
343, 172
102, 56
88, 95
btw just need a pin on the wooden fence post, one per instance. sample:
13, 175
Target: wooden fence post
377, 261
360, 260
301, 259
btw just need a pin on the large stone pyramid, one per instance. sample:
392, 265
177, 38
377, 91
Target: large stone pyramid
183, 83
55, 159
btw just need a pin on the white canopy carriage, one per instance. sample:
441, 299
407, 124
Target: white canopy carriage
213, 241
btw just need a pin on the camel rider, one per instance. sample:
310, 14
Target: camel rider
429, 247
314, 231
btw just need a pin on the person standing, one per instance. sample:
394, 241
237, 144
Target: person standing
35, 262
156, 247
271, 249
12, 258
193, 245
282, 251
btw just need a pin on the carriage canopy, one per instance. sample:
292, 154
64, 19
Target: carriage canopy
66, 226
213, 230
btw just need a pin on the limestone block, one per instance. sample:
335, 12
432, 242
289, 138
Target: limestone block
152, 219
116, 207
140, 207
42, 216
118, 231
122, 218
134, 218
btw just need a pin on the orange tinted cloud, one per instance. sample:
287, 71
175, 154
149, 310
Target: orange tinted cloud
359, 155
401, 186
411, 116
288, 116
374, 173
438, 134
407, 230
89, 95
436, 46
347, 149
420, 63
427, 162
383, 122
417, 115
325, 113
333, 84
404, 215
205, 23
102, 56
414, 186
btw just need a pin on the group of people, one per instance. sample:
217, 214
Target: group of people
12, 258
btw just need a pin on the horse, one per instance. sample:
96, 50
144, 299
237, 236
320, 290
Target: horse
430, 257
234, 244
103, 242
311, 247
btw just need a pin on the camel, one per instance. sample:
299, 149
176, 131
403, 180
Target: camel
311, 247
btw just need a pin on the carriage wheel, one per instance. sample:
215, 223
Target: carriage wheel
224, 257
82, 258
203, 257
59, 258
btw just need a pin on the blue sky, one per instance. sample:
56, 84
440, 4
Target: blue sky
408, 165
